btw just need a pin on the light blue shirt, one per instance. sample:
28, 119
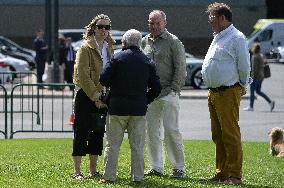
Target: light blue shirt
227, 59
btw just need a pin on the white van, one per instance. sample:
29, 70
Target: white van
269, 33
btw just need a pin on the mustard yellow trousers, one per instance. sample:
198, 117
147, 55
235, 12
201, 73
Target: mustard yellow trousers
224, 115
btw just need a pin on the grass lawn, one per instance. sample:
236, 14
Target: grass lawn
48, 163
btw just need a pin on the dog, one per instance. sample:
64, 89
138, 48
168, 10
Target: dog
276, 142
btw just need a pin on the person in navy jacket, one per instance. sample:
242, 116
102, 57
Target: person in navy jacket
134, 83
41, 51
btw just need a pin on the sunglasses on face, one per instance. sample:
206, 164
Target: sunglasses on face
107, 27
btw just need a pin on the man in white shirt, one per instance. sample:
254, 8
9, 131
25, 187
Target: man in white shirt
225, 71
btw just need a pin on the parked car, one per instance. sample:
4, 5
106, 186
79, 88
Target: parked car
193, 70
268, 33
14, 64
116, 35
74, 34
10, 48
277, 54
4, 69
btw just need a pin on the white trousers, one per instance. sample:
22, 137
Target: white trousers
163, 125
115, 128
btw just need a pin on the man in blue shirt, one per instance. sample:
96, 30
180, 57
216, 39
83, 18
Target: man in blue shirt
225, 71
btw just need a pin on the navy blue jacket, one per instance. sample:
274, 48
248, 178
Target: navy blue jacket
133, 82
40, 53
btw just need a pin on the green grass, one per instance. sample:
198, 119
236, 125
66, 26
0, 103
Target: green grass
48, 163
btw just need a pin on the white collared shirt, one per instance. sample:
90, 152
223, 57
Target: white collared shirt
70, 54
104, 52
227, 59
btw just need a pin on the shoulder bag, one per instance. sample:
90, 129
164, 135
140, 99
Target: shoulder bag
266, 71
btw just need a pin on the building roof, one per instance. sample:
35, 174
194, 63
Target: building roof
138, 2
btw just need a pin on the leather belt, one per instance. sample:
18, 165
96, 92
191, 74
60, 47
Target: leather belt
223, 88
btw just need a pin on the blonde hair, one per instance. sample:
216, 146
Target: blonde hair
255, 49
91, 26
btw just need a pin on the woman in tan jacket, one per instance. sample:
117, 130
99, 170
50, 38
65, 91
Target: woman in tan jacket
90, 60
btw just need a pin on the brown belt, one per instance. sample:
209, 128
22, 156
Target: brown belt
223, 88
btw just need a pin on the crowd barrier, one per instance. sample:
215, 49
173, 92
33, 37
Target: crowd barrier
30, 107
3, 111
41, 108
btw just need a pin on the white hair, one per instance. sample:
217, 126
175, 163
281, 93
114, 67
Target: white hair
132, 37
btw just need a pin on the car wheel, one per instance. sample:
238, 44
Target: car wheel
197, 81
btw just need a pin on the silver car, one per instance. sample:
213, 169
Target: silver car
4, 70
14, 64
193, 69
277, 54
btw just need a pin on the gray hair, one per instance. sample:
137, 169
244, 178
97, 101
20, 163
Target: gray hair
162, 13
132, 37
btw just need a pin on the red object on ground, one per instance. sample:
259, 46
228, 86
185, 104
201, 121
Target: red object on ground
71, 119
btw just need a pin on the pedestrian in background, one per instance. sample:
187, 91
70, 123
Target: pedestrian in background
41, 51
133, 83
225, 71
69, 61
96, 50
257, 74
168, 53
61, 61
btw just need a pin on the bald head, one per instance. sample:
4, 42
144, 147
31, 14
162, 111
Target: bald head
157, 23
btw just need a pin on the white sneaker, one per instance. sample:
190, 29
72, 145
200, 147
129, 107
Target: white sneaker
248, 109
272, 105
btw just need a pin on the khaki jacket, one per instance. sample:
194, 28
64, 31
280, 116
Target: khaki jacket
257, 65
167, 51
88, 67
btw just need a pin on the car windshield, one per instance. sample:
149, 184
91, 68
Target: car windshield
253, 33
9, 43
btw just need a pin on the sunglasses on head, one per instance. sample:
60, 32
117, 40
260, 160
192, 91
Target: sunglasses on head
107, 27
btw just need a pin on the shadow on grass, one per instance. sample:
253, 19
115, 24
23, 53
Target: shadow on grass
157, 182
244, 184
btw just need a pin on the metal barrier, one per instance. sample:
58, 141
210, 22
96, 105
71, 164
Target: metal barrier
11, 78
8, 80
41, 108
3, 110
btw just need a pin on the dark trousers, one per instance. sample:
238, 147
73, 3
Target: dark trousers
40, 66
255, 86
85, 141
68, 72
69, 69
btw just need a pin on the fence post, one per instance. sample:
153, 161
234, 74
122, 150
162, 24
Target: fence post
5, 132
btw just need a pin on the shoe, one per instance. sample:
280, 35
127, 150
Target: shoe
106, 181
94, 175
233, 181
272, 105
177, 173
77, 176
216, 178
137, 181
248, 109
153, 172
